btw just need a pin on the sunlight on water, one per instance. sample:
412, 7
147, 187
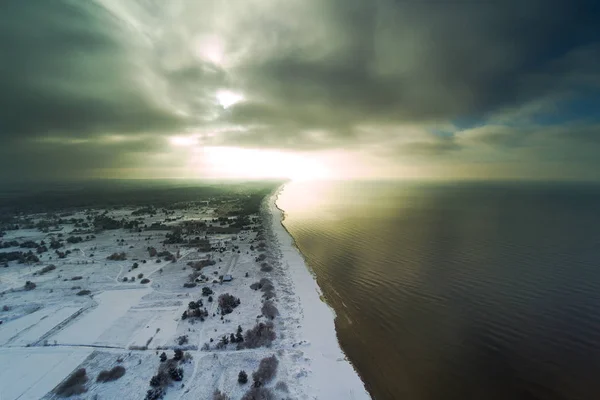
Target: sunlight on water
452, 291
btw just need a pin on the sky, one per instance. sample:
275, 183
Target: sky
302, 89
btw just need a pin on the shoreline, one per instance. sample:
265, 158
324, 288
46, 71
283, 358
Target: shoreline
332, 374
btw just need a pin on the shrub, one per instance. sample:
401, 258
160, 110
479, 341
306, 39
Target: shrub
181, 340
227, 303
242, 377
189, 285
266, 370
74, 384
262, 334
178, 354
255, 286
266, 267
282, 387
112, 375
176, 374
267, 288
140, 276
145, 280
269, 310
199, 313
161, 379
239, 338
163, 357
155, 381
218, 395
193, 276
135, 265
222, 343
84, 292
125, 279
74, 239
258, 393
155, 394
210, 299
45, 270
268, 294
117, 257
206, 291
266, 284
29, 285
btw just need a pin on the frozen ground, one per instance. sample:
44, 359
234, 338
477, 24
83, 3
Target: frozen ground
52, 330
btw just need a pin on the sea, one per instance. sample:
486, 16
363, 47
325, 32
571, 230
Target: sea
458, 290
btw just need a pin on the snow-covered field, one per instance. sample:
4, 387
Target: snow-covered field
57, 327
30, 373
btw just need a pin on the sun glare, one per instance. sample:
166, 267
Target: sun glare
227, 98
183, 140
210, 48
232, 162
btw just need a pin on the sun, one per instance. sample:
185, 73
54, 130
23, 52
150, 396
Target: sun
227, 98
234, 162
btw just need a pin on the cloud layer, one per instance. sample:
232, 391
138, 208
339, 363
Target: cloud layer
99, 85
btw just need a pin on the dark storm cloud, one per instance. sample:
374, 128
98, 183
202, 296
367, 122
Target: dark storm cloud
65, 70
68, 158
422, 61
314, 74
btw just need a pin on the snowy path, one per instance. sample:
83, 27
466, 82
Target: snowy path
232, 263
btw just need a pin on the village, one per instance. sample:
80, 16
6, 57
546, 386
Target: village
146, 303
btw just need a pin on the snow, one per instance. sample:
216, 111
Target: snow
50, 331
30, 328
112, 305
52, 319
160, 326
32, 374
11, 329
119, 334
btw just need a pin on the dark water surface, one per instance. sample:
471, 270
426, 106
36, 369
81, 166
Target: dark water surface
459, 291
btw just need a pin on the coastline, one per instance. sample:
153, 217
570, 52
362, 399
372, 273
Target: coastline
332, 375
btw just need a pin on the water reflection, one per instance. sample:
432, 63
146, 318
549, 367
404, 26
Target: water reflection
458, 291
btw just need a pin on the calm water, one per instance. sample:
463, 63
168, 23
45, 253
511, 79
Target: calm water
466, 291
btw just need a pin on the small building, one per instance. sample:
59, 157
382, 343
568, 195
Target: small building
227, 278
